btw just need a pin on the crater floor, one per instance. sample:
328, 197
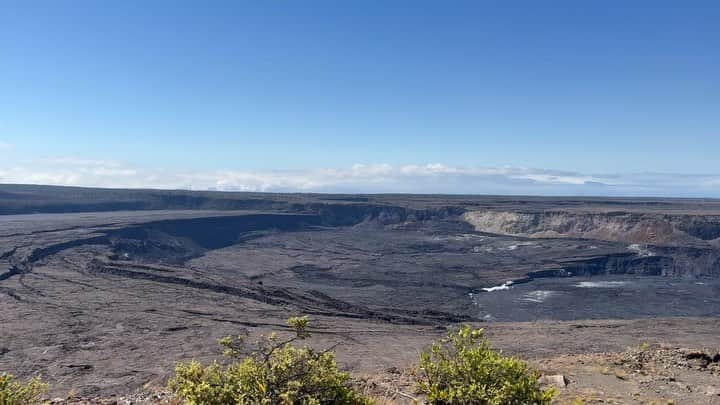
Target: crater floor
106, 302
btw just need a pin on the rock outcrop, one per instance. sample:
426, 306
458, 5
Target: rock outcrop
630, 227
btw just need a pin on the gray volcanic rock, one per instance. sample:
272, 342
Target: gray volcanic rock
106, 302
631, 227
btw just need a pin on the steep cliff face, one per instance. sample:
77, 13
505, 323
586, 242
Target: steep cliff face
655, 244
670, 262
656, 229
353, 214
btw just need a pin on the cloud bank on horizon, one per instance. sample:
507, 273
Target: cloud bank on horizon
365, 178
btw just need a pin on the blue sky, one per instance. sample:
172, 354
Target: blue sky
561, 97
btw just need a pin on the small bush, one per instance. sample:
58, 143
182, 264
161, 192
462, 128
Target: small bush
16, 393
462, 368
277, 373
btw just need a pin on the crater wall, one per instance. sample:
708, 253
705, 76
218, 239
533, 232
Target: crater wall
655, 229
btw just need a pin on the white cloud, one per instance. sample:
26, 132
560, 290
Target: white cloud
4, 146
363, 178
71, 161
561, 179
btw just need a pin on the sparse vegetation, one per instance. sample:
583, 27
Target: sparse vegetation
276, 373
462, 368
16, 393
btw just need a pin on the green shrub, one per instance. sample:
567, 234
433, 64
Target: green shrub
462, 368
277, 373
16, 393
